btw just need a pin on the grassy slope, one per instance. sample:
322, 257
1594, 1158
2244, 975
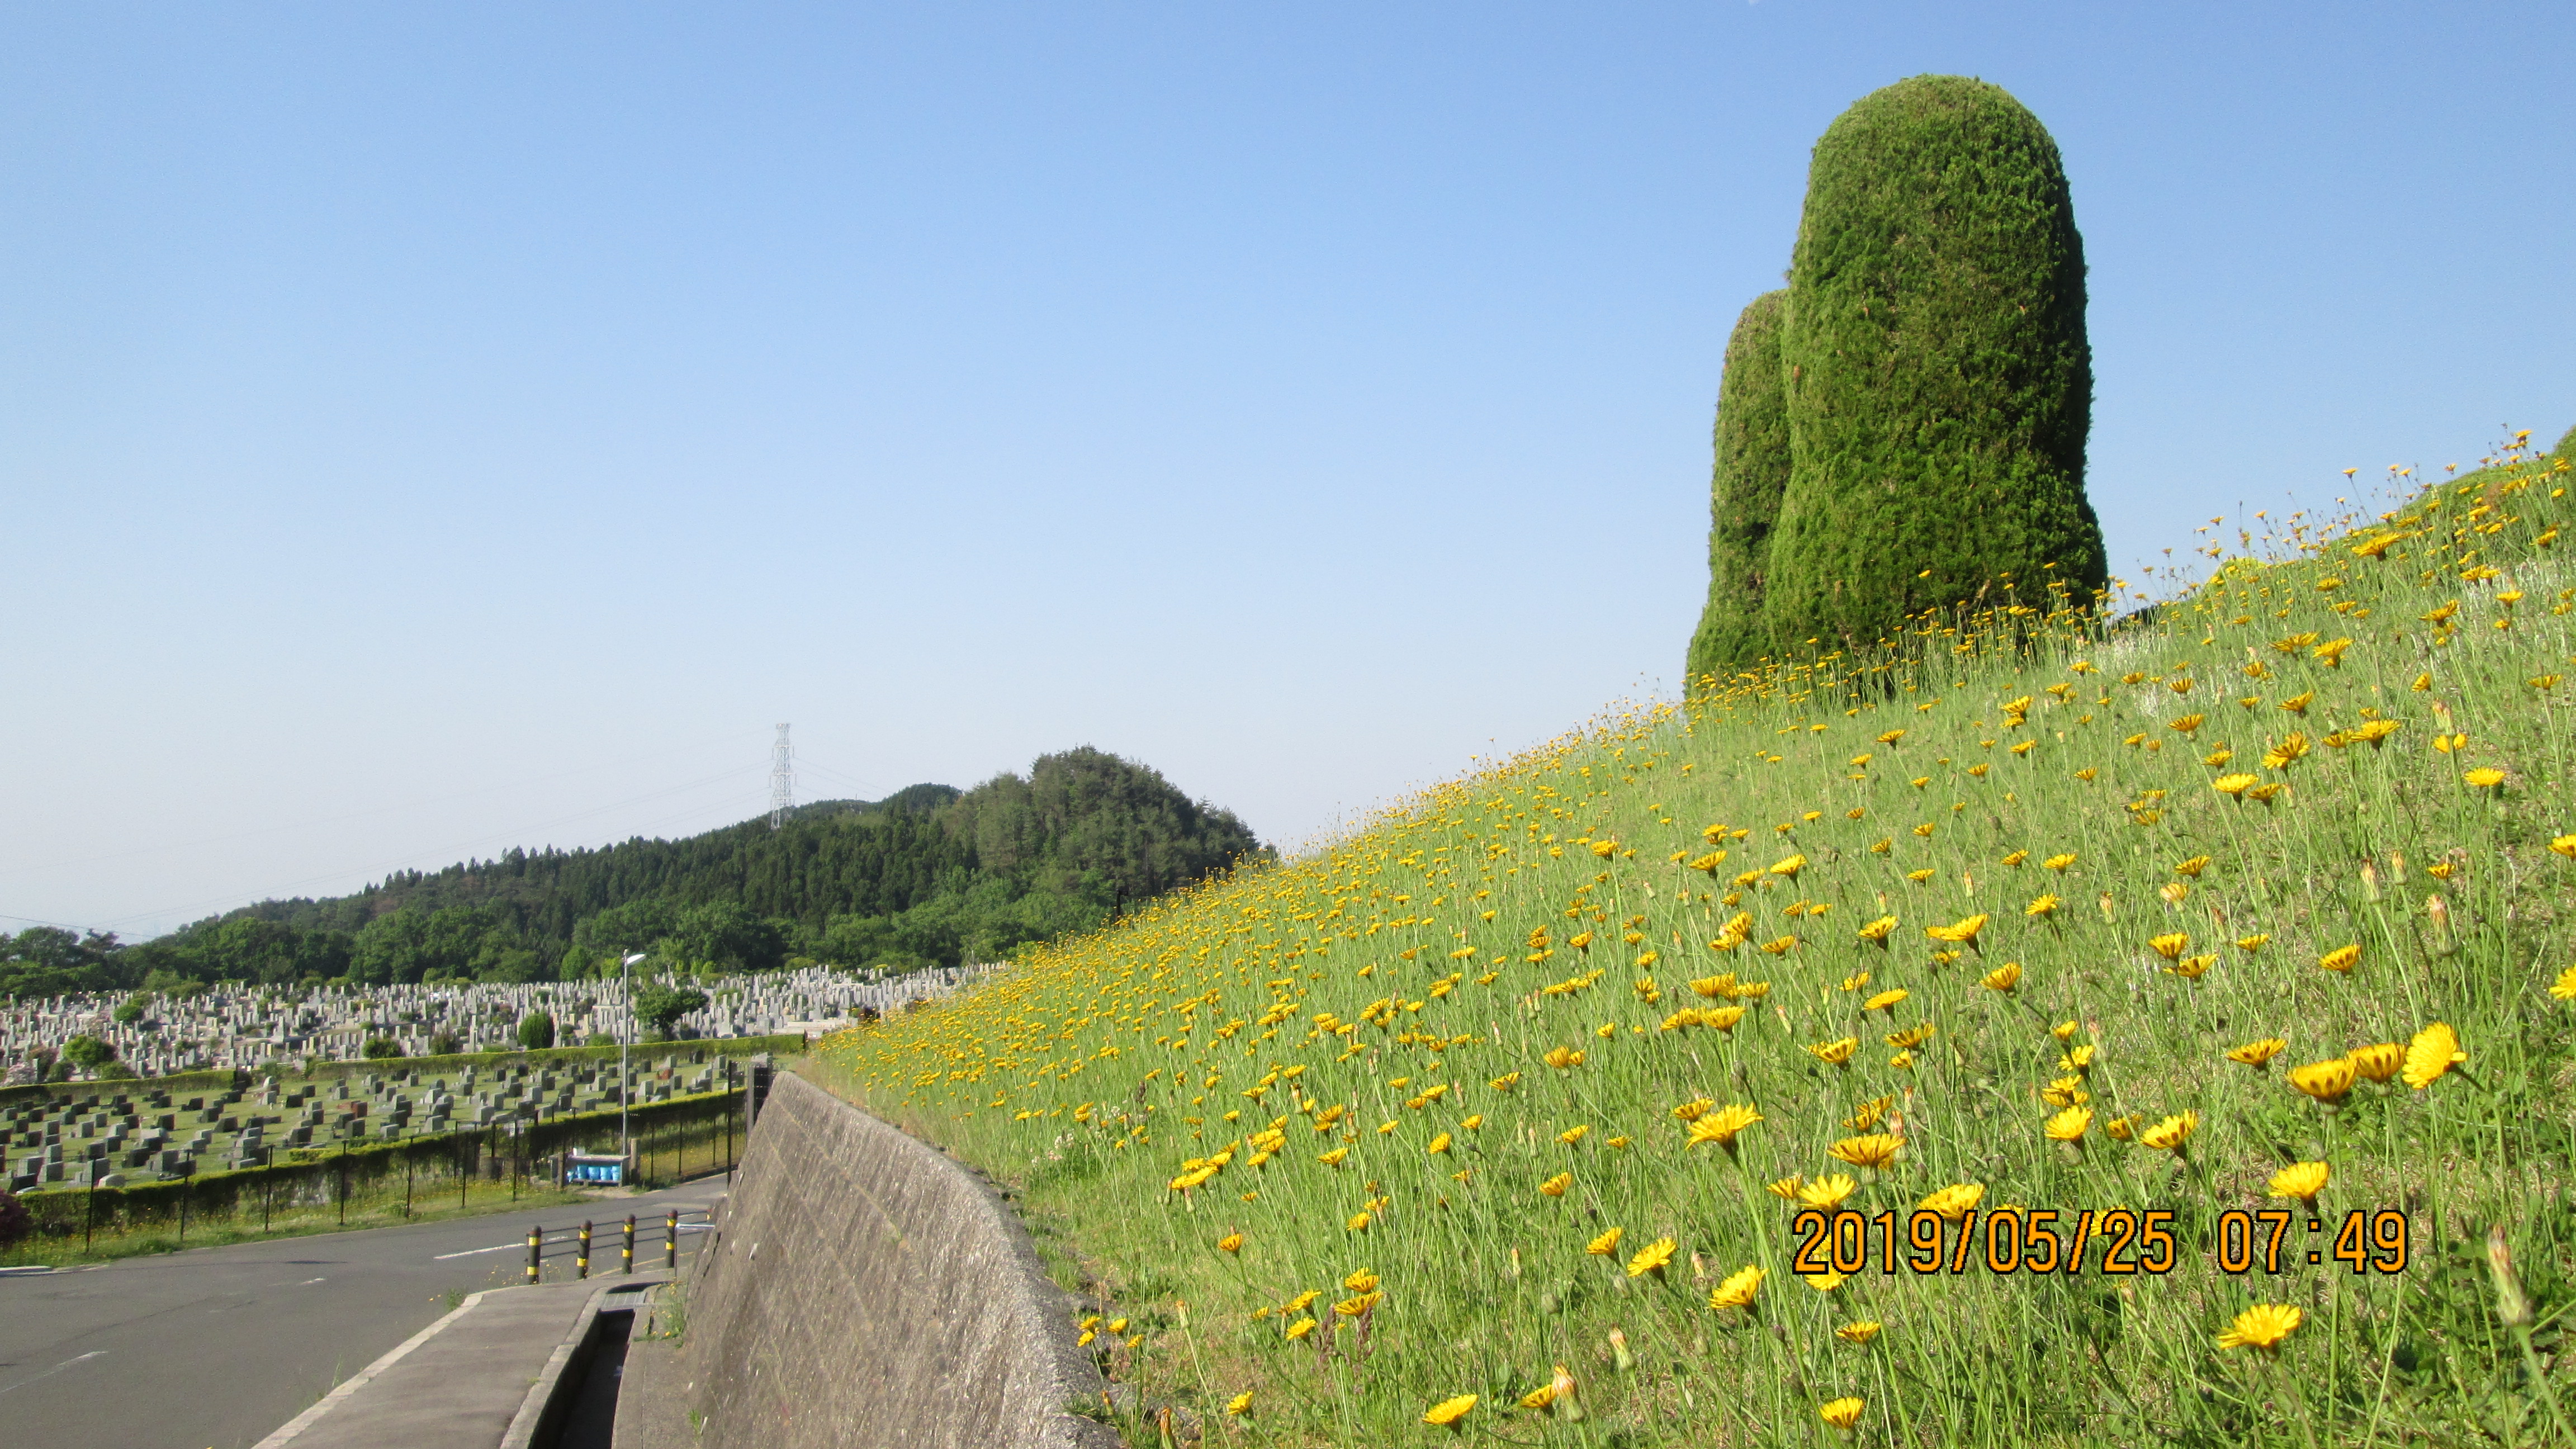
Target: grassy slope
1404, 978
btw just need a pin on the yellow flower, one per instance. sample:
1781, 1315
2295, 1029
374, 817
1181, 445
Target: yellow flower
1738, 1289
2059, 862
1876, 932
1958, 933
2170, 1134
1540, 1397
1694, 1109
2564, 988
2255, 1053
2485, 777
2301, 1180
2170, 945
1874, 1150
1361, 1280
2232, 784
1230, 1243
1556, 1186
1505, 1082
1828, 1191
1788, 869
2063, 1031
1606, 1244
1722, 1125
2435, 1050
2565, 845
1301, 1328
1825, 1282
1439, 1144
1574, 1134
1841, 1413
2121, 1129
1450, 1411
2326, 1081
1918, 876
1953, 1201
1240, 1404
1885, 1000
2299, 704
2192, 968
1723, 1018
1651, 1258
1358, 1224
1334, 1157
1564, 1059
2262, 1326
2341, 958
2377, 1062
2253, 943
2069, 1125
2044, 905
1861, 1332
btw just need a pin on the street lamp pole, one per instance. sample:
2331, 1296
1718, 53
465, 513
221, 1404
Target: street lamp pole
625, 1074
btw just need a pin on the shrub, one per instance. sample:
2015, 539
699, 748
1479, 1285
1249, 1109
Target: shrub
537, 1031
380, 1047
1940, 386
1751, 473
444, 1044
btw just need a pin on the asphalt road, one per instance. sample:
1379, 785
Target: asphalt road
219, 1346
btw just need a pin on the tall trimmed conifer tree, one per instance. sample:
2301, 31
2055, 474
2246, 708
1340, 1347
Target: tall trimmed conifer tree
1752, 471
1939, 387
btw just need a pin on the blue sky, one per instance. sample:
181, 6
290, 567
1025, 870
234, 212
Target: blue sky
431, 429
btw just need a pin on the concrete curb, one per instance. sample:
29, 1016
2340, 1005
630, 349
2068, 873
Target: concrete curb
359, 1380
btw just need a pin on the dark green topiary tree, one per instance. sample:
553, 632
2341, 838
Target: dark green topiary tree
1939, 383
1744, 491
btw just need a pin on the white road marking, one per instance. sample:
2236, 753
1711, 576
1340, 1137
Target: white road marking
58, 1368
470, 1252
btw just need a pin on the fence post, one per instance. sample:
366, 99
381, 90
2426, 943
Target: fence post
626, 1259
536, 1239
671, 1240
581, 1264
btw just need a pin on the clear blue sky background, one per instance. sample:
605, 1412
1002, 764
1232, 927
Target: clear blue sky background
428, 429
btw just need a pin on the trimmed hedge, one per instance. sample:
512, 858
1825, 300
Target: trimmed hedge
1745, 488
1940, 385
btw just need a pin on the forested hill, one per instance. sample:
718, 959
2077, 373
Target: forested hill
928, 875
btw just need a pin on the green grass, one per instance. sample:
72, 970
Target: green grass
1566, 899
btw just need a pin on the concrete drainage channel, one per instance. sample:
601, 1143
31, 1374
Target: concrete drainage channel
858, 1288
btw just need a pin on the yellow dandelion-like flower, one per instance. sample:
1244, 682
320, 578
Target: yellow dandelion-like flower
1961, 932
1876, 1149
1334, 1157
2327, 1081
1449, 1411
2301, 1180
1540, 1397
2121, 1129
1300, 1328
1693, 1110
2256, 1053
1230, 1243
1722, 1125
1877, 931
1827, 1191
1788, 869
2341, 958
1841, 1413
2262, 1326
1825, 1282
1606, 1244
1885, 1000
2378, 1061
1574, 1134
1835, 1053
2045, 905
2003, 978
2486, 777
2254, 942
1359, 1223
1564, 1059
1738, 1289
2564, 845
2564, 988
2069, 1125
2435, 1050
2233, 784
1240, 1404
2170, 945
2170, 1134
1556, 1186
1438, 1145
1955, 1200
1652, 1258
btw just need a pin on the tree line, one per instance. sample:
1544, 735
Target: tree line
928, 876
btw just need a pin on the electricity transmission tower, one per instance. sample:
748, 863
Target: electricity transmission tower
782, 780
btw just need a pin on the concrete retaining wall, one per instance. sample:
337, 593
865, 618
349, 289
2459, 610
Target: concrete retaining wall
863, 1289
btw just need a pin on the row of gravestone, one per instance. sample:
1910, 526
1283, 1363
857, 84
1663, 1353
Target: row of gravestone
102, 1139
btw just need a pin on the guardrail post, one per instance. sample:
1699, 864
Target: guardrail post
671, 1241
536, 1237
626, 1253
581, 1264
